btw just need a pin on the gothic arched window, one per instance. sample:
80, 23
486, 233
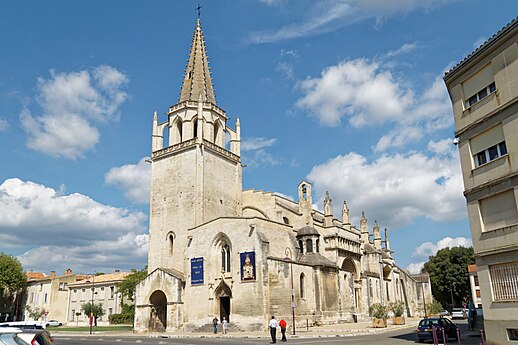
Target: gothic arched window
225, 258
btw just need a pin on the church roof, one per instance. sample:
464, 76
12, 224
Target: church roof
197, 80
315, 259
307, 230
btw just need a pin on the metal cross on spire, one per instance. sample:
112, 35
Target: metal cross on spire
198, 9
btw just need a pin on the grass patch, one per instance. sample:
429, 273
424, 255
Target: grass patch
87, 328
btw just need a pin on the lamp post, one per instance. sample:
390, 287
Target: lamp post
287, 252
92, 303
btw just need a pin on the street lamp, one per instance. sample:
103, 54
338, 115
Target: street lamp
92, 303
287, 252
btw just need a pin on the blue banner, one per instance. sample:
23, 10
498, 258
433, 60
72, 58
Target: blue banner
196, 271
247, 265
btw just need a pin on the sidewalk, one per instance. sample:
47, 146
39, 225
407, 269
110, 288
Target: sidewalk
337, 330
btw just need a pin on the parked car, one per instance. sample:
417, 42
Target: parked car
425, 332
54, 323
458, 313
444, 313
17, 336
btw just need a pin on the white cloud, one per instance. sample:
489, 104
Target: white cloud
254, 153
358, 89
328, 15
50, 219
415, 268
367, 93
250, 144
404, 49
71, 104
4, 124
391, 188
428, 248
133, 180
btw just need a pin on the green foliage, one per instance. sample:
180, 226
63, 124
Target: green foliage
378, 311
35, 313
96, 309
449, 275
12, 277
434, 308
125, 317
128, 284
398, 308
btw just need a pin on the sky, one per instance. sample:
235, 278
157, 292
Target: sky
347, 94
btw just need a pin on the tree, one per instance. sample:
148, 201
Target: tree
449, 275
96, 309
127, 287
12, 277
35, 313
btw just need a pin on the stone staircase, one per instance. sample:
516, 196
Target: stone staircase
208, 328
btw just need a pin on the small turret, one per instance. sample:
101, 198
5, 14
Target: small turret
157, 136
305, 202
377, 235
387, 243
328, 211
364, 229
345, 215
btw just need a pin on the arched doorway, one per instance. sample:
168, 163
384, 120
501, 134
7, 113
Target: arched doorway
158, 313
223, 294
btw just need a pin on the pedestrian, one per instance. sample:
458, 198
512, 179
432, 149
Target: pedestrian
282, 324
224, 325
215, 324
273, 329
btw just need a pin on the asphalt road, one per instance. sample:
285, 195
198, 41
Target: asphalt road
405, 336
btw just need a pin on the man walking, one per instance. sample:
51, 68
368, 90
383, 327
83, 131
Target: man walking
282, 324
273, 329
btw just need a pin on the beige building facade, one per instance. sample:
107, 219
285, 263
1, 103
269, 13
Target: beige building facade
99, 289
216, 250
484, 92
49, 293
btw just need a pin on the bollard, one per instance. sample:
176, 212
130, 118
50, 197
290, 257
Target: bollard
443, 336
434, 334
482, 337
458, 336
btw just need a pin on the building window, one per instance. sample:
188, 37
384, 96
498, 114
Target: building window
32, 297
110, 311
316, 246
225, 258
112, 291
480, 95
301, 246
309, 246
498, 211
302, 287
504, 281
41, 287
490, 154
512, 333
83, 294
73, 315
285, 220
45, 298
475, 279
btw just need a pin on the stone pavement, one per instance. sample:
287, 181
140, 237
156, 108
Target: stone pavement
337, 330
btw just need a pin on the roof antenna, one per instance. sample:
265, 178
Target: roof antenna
198, 9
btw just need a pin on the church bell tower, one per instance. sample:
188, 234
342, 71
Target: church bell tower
196, 165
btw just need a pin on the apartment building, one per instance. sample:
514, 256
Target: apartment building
474, 285
484, 92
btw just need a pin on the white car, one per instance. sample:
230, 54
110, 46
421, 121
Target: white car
54, 323
458, 313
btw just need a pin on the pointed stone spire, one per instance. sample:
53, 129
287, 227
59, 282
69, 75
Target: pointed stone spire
345, 214
328, 211
387, 243
197, 80
377, 235
364, 229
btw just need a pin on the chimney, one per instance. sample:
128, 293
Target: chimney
68, 272
52, 274
117, 271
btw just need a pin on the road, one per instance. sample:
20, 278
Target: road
405, 336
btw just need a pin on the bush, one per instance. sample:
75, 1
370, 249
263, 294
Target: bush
434, 308
378, 311
398, 308
125, 317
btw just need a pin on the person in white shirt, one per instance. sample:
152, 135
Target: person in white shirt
273, 329
224, 323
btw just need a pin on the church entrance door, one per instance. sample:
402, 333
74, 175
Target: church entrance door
158, 313
224, 308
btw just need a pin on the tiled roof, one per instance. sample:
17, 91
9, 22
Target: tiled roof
483, 46
35, 275
103, 278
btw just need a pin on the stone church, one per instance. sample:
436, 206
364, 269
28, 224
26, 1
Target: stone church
216, 250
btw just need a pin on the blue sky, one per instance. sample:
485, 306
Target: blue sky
347, 94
